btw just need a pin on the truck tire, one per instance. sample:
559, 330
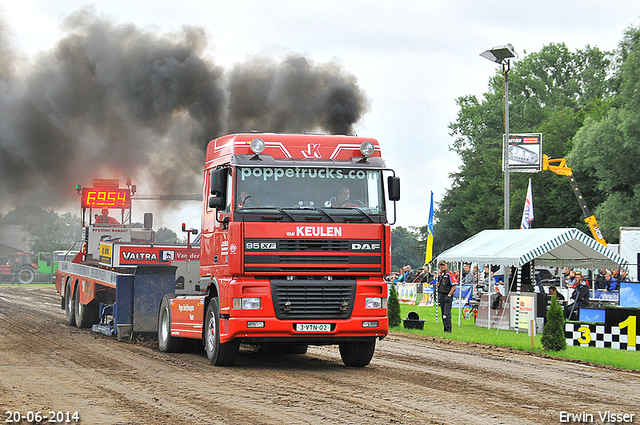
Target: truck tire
26, 275
86, 314
219, 354
69, 310
166, 342
357, 354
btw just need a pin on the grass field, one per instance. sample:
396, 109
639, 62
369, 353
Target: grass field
468, 331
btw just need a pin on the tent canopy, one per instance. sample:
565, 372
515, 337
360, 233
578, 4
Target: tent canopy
548, 247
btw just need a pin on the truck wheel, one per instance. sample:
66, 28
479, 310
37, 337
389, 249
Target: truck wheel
69, 309
219, 354
86, 315
166, 342
357, 354
26, 275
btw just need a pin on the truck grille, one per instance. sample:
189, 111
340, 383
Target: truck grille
326, 256
313, 299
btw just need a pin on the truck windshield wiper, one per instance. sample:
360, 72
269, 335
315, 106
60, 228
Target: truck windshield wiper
319, 209
284, 212
364, 214
267, 207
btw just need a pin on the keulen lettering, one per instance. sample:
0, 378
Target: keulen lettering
318, 231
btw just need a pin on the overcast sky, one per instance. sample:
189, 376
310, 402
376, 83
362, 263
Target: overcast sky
411, 58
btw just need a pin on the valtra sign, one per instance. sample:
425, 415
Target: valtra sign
128, 255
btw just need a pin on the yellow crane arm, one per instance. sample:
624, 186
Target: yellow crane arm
559, 166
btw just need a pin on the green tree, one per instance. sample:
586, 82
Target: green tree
551, 91
606, 149
553, 338
407, 247
393, 308
166, 235
47, 230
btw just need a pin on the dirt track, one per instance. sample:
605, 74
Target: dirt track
48, 366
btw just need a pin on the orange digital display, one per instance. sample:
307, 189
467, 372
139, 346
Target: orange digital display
116, 198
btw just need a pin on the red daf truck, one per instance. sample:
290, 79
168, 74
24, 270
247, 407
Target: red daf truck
295, 243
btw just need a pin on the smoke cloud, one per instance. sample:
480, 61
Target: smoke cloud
115, 101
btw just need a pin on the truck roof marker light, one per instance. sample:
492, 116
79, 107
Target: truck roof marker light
366, 149
257, 146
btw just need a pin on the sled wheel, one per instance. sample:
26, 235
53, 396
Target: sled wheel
86, 314
69, 309
166, 342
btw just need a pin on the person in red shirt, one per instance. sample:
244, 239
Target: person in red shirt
105, 219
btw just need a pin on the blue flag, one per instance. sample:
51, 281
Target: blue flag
429, 254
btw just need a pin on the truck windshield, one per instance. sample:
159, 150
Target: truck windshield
306, 187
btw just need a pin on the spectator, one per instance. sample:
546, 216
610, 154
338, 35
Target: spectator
484, 279
601, 280
580, 296
622, 276
611, 283
446, 285
467, 275
409, 275
615, 273
570, 280
554, 291
566, 272
476, 274
423, 275
399, 276
15, 267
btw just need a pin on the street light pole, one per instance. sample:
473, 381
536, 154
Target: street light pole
505, 71
502, 55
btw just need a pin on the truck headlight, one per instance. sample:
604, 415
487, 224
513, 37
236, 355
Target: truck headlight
257, 146
374, 302
246, 303
366, 149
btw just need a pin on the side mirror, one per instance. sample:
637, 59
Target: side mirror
393, 183
219, 181
218, 188
148, 220
217, 202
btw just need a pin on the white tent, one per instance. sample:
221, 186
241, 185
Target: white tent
548, 247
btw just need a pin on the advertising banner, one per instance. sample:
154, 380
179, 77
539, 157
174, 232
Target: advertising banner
407, 293
527, 311
525, 152
427, 295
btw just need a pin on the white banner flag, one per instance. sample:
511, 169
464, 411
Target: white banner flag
527, 214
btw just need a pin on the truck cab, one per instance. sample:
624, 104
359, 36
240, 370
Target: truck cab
295, 241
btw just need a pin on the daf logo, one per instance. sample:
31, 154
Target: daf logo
365, 246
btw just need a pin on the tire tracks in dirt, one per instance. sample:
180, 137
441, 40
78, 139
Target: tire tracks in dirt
47, 365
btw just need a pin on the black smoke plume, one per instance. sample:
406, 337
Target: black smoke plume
116, 101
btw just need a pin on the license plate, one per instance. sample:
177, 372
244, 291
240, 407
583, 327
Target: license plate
313, 327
